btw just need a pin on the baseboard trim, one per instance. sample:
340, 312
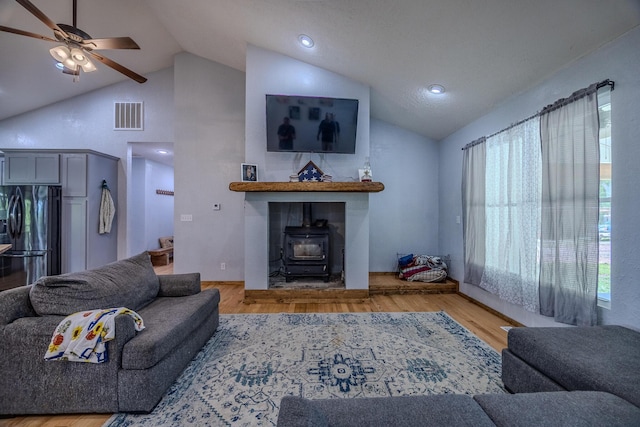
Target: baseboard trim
491, 310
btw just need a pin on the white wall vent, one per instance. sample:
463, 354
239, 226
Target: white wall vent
128, 116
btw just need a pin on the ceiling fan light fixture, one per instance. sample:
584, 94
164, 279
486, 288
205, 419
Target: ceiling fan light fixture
72, 58
60, 53
88, 67
79, 56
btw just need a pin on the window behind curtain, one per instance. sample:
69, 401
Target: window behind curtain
604, 222
512, 211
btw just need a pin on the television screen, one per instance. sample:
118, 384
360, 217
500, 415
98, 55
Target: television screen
311, 124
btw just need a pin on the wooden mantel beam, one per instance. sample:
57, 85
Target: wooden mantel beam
337, 187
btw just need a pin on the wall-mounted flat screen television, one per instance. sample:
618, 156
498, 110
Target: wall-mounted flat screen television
311, 124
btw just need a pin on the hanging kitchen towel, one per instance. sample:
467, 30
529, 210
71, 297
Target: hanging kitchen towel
107, 210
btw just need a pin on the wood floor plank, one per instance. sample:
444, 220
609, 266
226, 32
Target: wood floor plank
481, 322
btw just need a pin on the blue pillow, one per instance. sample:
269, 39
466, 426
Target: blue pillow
405, 260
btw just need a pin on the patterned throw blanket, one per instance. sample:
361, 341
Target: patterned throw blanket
81, 336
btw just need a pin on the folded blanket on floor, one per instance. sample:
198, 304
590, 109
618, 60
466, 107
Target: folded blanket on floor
81, 337
423, 268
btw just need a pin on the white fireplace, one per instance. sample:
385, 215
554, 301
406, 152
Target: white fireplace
356, 234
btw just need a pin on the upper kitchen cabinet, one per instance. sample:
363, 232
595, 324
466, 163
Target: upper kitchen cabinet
21, 167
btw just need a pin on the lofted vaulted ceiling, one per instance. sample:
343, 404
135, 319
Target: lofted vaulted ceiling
481, 51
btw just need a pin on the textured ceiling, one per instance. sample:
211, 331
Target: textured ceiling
482, 51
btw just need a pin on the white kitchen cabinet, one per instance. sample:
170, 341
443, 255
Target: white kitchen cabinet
83, 174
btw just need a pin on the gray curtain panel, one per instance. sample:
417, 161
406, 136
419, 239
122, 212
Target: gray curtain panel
473, 210
570, 186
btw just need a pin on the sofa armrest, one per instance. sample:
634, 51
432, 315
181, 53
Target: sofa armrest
179, 285
14, 304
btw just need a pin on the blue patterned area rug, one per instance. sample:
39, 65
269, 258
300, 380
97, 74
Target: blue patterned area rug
252, 361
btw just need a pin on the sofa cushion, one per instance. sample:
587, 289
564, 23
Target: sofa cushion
296, 411
130, 283
424, 411
168, 322
560, 408
600, 358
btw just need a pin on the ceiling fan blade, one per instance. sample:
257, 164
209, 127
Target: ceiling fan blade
110, 43
41, 16
26, 33
108, 62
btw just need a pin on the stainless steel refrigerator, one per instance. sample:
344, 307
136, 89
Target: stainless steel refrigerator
30, 222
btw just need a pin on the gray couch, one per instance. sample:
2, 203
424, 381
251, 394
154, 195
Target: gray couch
600, 358
549, 409
179, 318
561, 377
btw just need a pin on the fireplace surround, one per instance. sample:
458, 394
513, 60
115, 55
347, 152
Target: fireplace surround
355, 197
306, 245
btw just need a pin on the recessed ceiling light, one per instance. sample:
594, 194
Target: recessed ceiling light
162, 151
436, 89
305, 41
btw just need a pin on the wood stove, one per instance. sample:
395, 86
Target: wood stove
306, 252
306, 248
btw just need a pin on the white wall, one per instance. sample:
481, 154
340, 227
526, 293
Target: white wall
404, 217
208, 147
137, 221
86, 122
618, 61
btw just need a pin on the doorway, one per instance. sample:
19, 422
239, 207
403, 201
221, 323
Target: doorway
151, 196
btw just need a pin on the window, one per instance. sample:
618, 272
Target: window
604, 221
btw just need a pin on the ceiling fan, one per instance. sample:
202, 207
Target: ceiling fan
78, 47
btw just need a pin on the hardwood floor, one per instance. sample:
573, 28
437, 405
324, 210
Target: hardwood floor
483, 323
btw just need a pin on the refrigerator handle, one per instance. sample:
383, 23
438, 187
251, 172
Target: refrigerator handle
12, 225
16, 213
20, 215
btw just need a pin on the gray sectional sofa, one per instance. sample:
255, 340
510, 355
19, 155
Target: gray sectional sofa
179, 318
560, 376
599, 358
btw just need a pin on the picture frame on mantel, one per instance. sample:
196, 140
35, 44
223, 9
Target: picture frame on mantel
248, 172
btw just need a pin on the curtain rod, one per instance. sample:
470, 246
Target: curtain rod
599, 85
606, 82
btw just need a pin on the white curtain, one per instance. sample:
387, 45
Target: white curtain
512, 212
570, 208
473, 210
